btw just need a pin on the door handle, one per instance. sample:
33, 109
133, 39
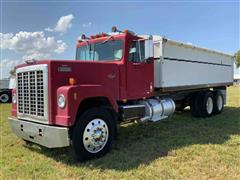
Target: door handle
136, 64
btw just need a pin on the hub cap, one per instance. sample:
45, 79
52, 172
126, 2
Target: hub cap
95, 135
220, 103
209, 105
4, 98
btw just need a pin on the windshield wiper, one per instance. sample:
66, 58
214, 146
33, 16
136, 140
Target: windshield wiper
110, 37
88, 45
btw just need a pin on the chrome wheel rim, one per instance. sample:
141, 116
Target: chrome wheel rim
4, 98
209, 105
95, 135
220, 103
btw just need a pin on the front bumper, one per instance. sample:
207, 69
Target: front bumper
45, 135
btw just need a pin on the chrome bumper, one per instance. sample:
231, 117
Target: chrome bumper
45, 135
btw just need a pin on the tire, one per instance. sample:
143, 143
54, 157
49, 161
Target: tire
206, 104
93, 134
4, 98
195, 104
218, 102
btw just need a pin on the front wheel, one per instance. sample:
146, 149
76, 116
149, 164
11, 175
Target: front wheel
93, 134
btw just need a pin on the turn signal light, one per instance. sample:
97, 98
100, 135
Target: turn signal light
72, 81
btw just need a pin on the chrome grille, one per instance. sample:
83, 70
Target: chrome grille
32, 93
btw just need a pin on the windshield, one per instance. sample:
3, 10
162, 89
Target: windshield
103, 51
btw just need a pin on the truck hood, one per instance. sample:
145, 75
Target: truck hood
84, 72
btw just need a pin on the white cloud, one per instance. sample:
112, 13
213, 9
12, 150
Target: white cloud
189, 43
87, 25
9, 63
49, 29
63, 24
6, 65
32, 44
61, 47
37, 56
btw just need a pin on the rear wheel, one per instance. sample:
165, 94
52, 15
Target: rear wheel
93, 134
202, 104
218, 102
206, 104
195, 104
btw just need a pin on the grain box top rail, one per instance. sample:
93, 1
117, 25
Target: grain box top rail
164, 39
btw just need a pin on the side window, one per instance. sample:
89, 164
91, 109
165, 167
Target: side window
137, 51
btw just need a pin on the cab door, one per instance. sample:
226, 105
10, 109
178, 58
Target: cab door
140, 72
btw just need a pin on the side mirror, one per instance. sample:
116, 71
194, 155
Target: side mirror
148, 49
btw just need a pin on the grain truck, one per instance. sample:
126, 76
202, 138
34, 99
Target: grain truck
116, 77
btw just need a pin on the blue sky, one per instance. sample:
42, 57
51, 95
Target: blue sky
214, 25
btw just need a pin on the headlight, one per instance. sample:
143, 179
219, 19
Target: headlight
61, 101
14, 98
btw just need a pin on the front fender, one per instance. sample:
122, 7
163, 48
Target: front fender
75, 95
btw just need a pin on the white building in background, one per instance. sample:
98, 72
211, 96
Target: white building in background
236, 78
236, 75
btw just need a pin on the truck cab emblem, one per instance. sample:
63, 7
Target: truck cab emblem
64, 69
111, 76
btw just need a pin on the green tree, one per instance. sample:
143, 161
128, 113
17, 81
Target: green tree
13, 72
237, 58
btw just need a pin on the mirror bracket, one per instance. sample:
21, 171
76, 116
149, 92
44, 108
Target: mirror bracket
149, 49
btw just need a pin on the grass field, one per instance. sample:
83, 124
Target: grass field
181, 147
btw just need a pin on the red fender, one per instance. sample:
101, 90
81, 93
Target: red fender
75, 95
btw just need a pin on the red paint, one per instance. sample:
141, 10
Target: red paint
14, 106
140, 76
86, 74
66, 116
115, 80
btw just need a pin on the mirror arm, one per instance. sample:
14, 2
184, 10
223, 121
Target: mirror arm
149, 60
149, 49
